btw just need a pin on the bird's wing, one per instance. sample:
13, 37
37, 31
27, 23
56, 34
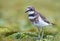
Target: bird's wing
43, 17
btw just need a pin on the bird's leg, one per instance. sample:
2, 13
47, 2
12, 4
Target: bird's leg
38, 33
42, 33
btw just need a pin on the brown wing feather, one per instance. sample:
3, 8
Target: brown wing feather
44, 18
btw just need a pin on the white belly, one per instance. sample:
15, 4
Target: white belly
41, 23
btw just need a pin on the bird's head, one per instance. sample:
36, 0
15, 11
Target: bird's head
30, 9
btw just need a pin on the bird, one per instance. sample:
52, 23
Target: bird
38, 20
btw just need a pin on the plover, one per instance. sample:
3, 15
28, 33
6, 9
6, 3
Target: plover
37, 19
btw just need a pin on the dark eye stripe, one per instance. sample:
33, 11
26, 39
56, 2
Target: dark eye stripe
31, 14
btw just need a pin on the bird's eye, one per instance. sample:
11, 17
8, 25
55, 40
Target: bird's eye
31, 9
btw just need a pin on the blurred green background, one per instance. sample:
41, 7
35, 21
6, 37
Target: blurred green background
13, 18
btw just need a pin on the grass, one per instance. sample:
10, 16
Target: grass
14, 23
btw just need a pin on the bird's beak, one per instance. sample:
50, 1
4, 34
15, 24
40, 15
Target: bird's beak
25, 11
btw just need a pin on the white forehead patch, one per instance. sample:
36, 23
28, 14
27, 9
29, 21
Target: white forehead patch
30, 12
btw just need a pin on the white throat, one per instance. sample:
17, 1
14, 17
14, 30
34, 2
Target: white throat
30, 12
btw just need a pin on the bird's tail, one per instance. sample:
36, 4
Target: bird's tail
52, 23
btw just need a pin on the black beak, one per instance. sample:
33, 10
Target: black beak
26, 11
